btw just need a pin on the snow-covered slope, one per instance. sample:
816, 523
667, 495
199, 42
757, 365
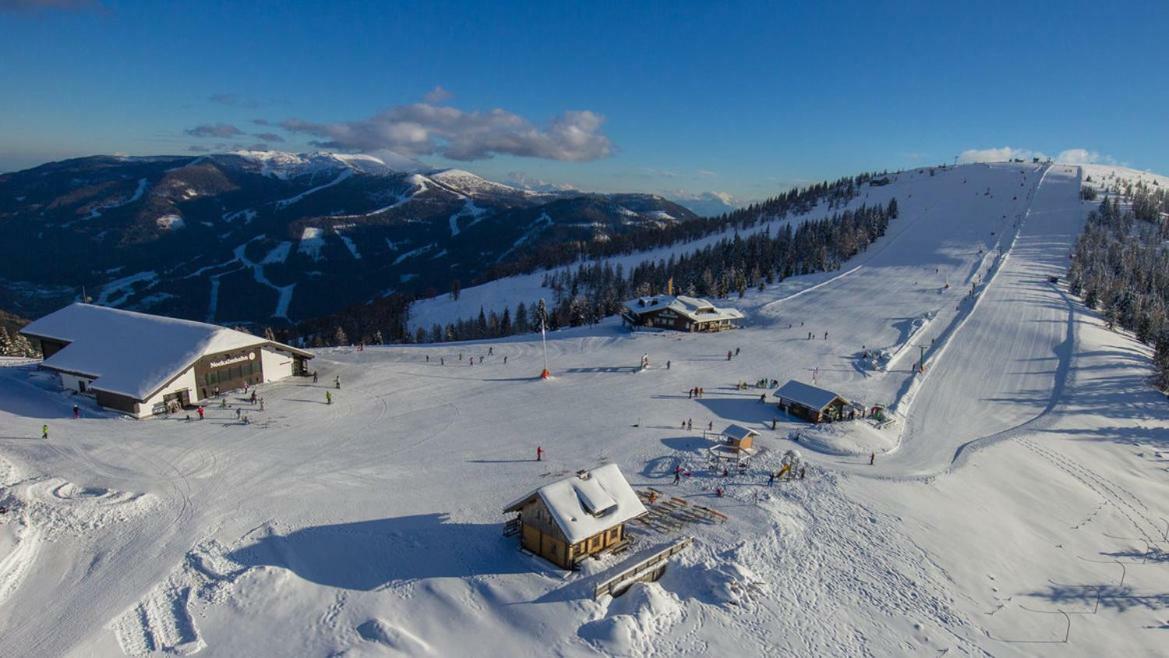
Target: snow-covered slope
1016, 505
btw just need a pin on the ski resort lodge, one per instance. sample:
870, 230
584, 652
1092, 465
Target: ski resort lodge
810, 402
567, 521
680, 313
139, 364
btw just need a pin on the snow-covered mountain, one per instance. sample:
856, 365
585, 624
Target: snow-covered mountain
268, 236
1009, 499
705, 204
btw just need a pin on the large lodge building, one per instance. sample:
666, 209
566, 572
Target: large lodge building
139, 364
680, 313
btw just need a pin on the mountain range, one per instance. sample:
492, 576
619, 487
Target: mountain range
264, 237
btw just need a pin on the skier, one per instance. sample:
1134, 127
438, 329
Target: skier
737, 351
45, 432
337, 382
763, 398
872, 458
677, 474
667, 365
539, 454
690, 394
237, 413
689, 424
700, 391
314, 378
76, 412
505, 359
253, 396
200, 412
773, 422
771, 478
710, 426
825, 335
490, 351
328, 398
480, 359
428, 358
729, 355
442, 361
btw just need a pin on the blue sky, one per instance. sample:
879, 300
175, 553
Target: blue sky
744, 98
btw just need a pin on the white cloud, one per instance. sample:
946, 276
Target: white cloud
428, 129
1083, 156
1005, 153
1001, 154
437, 95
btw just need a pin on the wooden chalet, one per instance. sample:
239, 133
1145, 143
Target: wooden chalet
739, 437
569, 520
680, 313
810, 402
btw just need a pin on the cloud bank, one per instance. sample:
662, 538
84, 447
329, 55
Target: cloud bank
220, 130
428, 129
1005, 153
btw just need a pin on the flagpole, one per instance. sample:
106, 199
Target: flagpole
544, 340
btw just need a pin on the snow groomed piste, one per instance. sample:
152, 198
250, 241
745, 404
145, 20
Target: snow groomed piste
1017, 504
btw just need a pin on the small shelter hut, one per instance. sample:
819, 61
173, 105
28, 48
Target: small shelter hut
739, 437
569, 520
811, 403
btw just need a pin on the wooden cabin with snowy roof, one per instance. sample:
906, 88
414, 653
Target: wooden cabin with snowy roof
739, 437
809, 402
569, 520
680, 313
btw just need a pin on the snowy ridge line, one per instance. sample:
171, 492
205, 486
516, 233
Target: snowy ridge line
284, 203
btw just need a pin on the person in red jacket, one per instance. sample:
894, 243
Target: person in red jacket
539, 454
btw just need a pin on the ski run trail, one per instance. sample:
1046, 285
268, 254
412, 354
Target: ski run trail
1018, 504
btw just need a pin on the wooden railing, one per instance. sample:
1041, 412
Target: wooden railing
647, 570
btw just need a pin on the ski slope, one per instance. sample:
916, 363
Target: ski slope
1019, 498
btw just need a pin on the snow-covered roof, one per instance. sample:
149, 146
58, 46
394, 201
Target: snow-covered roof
587, 503
738, 432
806, 394
695, 308
129, 353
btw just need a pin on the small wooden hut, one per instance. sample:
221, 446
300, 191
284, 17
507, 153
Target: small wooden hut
569, 520
810, 402
738, 437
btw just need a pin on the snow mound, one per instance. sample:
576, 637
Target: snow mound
394, 637
849, 438
57, 506
633, 621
